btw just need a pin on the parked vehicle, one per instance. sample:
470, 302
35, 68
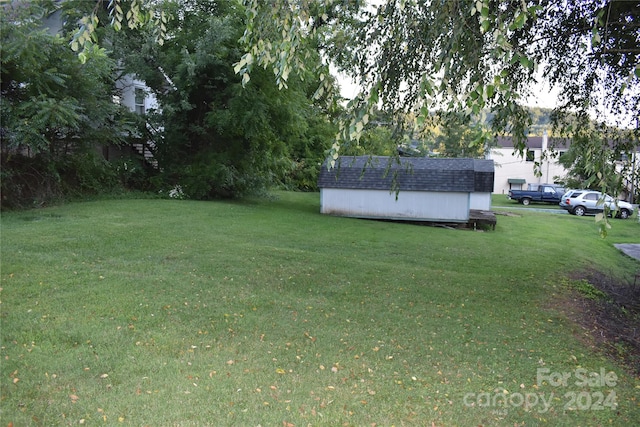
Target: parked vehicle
546, 193
584, 202
566, 196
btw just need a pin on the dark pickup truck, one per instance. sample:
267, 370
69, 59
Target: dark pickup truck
545, 193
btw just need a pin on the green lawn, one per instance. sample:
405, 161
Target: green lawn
264, 312
502, 201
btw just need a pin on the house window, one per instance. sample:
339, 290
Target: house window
139, 100
531, 155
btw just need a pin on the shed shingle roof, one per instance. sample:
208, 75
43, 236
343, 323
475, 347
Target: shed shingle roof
409, 174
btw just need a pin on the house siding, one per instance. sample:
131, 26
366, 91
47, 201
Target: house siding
510, 165
127, 86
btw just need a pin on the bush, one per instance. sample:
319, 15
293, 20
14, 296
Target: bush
38, 181
28, 182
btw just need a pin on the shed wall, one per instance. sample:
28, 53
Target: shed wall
410, 205
480, 201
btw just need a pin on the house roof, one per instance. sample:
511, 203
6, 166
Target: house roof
409, 174
535, 142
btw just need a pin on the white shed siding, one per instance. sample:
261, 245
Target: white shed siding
414, 205
480, 201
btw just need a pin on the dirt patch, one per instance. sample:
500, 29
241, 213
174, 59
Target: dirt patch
608, 312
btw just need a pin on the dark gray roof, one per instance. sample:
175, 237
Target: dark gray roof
409, 174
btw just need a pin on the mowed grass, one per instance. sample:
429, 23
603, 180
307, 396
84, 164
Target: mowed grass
503, 201
264, 312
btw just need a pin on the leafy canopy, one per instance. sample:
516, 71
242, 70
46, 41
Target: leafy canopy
219, 139
459, 56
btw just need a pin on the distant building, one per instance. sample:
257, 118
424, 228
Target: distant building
130, 92
516, 172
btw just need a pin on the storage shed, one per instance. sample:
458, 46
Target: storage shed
406, 188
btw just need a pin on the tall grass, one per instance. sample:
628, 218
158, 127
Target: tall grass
264, 312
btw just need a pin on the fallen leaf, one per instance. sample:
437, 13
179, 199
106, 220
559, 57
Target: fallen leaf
103, 376
73, 398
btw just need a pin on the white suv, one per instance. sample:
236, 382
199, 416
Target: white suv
583, 202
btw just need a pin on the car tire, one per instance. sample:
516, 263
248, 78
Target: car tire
579, 211
624, 214
526, 201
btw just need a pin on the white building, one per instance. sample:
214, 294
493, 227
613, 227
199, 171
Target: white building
513, 171
407, 188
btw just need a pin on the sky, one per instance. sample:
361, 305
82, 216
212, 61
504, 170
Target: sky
542, 95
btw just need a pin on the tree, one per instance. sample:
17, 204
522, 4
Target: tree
460, 135
459, 56
220, 140
462, 56
601, 144
54, 111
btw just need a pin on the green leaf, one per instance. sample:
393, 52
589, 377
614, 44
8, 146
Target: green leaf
519, 21
525, 62
491, 89
595, 37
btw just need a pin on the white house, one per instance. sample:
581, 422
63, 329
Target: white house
131, 93
516, 172
406, 188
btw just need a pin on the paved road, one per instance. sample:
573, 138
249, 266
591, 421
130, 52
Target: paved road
516, 208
